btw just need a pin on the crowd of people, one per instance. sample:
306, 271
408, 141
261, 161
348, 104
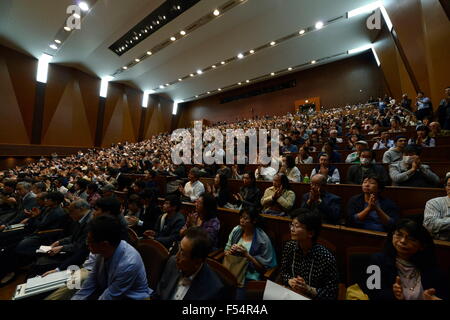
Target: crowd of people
83, 207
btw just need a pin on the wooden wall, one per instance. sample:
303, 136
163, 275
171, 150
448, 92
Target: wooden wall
337, 84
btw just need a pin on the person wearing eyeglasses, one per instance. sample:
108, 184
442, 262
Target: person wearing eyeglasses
307, 267
408, 266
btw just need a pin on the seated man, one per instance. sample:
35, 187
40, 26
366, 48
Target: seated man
168, 226
410, 172
193, 188
357, 172
288, 146
383, 142
324, 168
326, 203
437, 215
354, 157
423, 139
119, 272
186, 275
395, 154
26, 200
265, 172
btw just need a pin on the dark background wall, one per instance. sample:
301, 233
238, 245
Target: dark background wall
337, 84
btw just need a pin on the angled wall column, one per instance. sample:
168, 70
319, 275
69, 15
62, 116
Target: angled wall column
38, 115
100, 120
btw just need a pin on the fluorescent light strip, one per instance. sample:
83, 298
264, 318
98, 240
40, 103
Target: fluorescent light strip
360, 49
376, 56
364, 9
175, 108
104, 86
42, 70
145, 98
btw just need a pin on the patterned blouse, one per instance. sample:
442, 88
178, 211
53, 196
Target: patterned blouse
318, 269
211, 226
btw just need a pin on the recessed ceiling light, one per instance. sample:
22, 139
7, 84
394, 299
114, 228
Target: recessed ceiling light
54, 46
173, 38
57, 41
76, 16
180, 79
272, 74
216, 12
191, 74
137, 60
214, 66
247, 81
223, 62
164, 17
290, 69
313, 62
83, 6
239, 83
161, 87
124, 67
319, 25
199, 71
208, 92
240, 56
178, 7
273, 43
196, 96
167, 84
182, 32
67, 29
252, 51
219, 89
157, 22
302, 31
149, 53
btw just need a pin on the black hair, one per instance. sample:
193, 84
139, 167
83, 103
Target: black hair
106, 228
413, 148
424, 258
109, 204
400, 137
253, 213
311, 219
285, 181
376, 178
93, 187
134, 198
40, 186
209, 206
83, 183
252, 178
57, 197
174, 201
290, 161
372, 153
423, 128
201, 243
11, 184
223, 182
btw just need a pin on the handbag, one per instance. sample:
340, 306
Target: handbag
237, 265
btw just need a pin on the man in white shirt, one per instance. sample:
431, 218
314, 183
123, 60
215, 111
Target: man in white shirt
193, 188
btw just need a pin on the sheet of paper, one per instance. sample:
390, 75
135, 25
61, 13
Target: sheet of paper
43, 249
52, 278
17, 226
274, 291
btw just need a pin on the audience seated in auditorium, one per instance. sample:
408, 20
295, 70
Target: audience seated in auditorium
288, 146
396, 126
375, 129
357, 172
383, 142
289, 169
333, 156
303, 156
249, 194
410, 172
354, 157
205, 216
324, 168
186, 275
220, 190
437, 214
328, 205
435, 130
423, 138
119, 272
265, 172
168, 226
408, 266
249, 241
92, 194
193, 188
307, 267
278, 199
395, 154
443, 111
369, 210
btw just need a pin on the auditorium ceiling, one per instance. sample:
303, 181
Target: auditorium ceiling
185, 64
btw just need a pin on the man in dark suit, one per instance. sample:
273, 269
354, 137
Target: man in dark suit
168, 226
186, 275
357, 172
326, 203
25, 200
66, 251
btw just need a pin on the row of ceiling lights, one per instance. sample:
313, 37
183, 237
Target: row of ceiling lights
319, 25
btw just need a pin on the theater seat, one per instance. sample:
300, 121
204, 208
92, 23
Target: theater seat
228, 279
154, 255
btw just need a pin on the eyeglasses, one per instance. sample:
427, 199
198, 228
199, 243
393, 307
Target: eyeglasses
400, 235
295, 226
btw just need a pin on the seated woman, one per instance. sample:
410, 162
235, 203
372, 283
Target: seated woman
290, 170
278, 199
251, 242
369, 210
408, 266
327, 170
249, 194
423, 138
303, 157
220, 190
205, 216
307, 267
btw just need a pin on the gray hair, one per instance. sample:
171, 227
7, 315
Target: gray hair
26, 185
80, 204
